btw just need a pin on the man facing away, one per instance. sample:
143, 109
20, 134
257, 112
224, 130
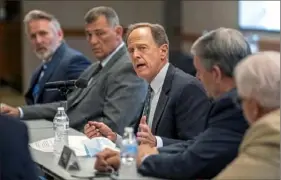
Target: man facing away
176, 105
15, 159
113, 86
215, 57
59, 61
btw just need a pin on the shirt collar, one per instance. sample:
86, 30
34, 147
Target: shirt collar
106, 60
157, 83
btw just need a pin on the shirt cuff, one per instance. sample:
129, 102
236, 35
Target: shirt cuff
159, 141
144, 157
21, 112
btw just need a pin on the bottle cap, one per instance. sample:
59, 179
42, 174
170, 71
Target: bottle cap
60, 108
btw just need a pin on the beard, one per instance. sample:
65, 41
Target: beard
44, 55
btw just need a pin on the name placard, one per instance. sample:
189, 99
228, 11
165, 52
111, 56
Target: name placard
68, 160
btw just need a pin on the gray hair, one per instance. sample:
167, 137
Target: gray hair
158, 32
108, 12
41, 15
222, 47
258, 77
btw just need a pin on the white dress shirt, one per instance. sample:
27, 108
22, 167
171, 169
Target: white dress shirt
156, 85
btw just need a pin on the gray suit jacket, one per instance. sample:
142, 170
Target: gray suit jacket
115, 97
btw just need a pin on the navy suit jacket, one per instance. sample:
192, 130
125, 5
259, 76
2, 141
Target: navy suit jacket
15, 158
209, 153
66, 64
181, 109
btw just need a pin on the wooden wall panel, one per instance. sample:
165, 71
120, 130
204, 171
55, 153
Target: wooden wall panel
265, 44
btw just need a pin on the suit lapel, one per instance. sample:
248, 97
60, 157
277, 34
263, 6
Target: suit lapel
51, 67
34, 78
83, 92
163, 99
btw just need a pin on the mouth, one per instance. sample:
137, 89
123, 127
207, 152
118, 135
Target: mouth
140, 66
41, 49
96, 49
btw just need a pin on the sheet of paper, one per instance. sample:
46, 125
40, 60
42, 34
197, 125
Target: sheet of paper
45, 145
75, 143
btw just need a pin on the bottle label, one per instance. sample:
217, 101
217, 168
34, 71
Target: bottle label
129, 149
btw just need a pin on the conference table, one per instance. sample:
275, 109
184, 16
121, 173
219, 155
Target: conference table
43, 129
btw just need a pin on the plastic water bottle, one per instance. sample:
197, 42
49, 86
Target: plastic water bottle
128, 155
128, 151
61, 127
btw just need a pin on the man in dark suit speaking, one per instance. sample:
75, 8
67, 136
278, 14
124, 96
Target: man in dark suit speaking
15, 158
59, 61
111, 81
215, 57
176, 105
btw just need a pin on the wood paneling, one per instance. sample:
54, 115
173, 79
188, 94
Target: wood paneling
2, 51
265, 44
10, 54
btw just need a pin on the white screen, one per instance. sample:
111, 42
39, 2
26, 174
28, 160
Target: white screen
259, 15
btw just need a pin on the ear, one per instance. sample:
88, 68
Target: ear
119, 31
255, 107
60, 34
164, 51
216, 73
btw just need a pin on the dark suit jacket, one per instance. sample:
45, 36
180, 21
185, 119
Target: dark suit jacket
181, 109
209, 153
66, 64
112, 92
182, 61
15, 159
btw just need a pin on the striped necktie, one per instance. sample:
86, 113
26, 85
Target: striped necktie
36, 87
146, 109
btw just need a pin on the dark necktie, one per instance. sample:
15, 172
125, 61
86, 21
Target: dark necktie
36, 88
146, 109
96, 71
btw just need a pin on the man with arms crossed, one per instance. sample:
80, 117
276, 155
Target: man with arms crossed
176, 105
111, 81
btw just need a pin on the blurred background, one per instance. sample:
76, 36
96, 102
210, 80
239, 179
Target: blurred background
184, 21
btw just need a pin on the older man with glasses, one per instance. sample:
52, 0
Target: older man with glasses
258, 83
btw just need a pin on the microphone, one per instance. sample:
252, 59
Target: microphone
71, 84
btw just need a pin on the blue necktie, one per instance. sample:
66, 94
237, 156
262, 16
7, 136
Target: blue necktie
36, 86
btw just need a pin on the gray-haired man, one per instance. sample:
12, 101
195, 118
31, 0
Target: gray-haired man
113, 86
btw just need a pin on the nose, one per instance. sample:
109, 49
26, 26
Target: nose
93, 40
135, 54
38, 39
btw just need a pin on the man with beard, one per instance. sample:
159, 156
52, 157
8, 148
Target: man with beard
59, 61
113, 86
